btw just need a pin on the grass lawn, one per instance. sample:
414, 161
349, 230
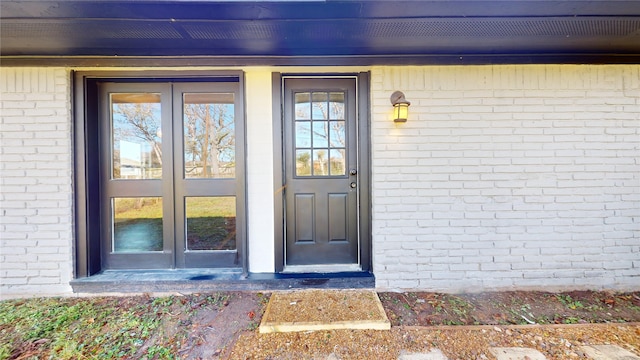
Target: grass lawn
151, 208
210, 224
94, 328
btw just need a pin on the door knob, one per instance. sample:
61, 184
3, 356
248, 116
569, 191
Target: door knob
353, 185
353, 172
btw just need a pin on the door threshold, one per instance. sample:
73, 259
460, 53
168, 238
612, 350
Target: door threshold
327, 268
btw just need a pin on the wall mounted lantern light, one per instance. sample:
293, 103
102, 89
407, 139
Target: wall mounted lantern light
400, 107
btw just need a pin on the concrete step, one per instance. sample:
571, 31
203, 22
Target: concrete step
208, 280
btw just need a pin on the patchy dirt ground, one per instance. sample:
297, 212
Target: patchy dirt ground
424, 321
456, 342
224, 325
213, 331
515, 307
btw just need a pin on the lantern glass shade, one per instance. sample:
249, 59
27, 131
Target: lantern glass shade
400, 112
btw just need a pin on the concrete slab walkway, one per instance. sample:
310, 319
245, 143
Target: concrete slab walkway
434, 354
516, 353
608, 352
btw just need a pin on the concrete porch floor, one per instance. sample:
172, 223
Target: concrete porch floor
203, 280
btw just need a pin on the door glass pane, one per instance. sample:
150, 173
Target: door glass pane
211, 223
303, 134
338, 165
303, 162
320, 106
336, 106
320, 134
136, 136
303, 106
137, 224
337, 134
320, 162
209, 135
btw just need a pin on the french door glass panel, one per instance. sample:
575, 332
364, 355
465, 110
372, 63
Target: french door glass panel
211, 223
169, 179
209, 135
136, 136
137, 224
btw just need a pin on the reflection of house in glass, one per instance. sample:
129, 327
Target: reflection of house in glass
135, 163
224, 169
130, 160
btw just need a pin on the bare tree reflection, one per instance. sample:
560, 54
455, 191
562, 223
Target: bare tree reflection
209, 140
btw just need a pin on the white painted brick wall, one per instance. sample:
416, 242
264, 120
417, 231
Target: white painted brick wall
35, 182
504, 177
507, 177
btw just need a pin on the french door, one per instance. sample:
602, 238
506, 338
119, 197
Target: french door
171, 174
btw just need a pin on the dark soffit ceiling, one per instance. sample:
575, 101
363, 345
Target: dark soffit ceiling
374, 29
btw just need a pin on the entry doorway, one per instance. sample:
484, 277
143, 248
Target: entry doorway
325, 174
